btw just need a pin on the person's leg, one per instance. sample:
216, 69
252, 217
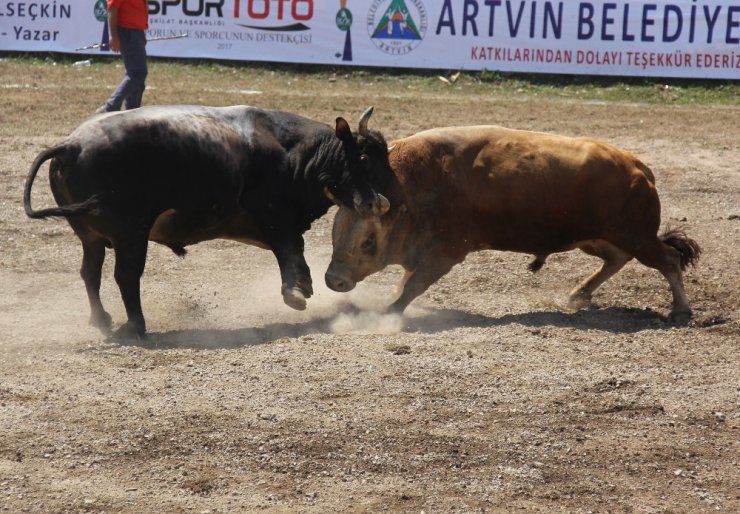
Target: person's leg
131, 88
136, 69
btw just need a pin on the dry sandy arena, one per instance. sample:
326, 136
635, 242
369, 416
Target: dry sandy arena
487, 396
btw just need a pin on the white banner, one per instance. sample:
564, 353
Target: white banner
678, 38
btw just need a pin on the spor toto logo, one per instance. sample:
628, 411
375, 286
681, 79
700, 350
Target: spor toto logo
397, 27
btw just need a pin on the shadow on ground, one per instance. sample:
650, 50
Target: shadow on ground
612, 319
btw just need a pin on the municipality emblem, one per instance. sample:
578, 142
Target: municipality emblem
397, 26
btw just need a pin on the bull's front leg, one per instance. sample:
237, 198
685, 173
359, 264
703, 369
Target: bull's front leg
294, 272
419, 279
282, 232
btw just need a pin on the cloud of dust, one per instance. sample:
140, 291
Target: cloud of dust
251, 300
367, 323
360, 311
357, 312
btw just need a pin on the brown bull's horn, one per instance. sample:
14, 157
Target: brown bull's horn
330, 196
391, 148
363, 121
382, 205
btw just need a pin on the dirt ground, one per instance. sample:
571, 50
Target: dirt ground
488, 395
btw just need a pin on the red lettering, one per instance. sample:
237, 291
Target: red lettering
301, 10
303, 13
479, 53
279, 8
258, 15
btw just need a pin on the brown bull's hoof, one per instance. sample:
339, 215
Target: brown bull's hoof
579, 301
294, 298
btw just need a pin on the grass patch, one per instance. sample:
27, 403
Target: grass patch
397, 81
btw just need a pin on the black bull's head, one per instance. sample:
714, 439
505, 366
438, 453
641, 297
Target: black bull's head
367, 169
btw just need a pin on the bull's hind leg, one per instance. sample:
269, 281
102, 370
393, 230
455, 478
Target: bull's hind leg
130, 261
93, 255
614, 260
654, 253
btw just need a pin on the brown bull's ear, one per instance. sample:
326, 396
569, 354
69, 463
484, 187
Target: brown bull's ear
400, 212
343, 131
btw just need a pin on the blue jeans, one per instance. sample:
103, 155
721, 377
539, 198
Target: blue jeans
131, 89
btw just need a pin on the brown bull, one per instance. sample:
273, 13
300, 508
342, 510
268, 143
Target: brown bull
463, 189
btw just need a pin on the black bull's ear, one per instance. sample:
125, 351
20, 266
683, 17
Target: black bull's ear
344, 133
366, 201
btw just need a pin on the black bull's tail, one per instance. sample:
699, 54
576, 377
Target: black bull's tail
687, 247
89, 206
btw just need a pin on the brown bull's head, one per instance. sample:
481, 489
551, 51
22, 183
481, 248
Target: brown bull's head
367, 169
363, 245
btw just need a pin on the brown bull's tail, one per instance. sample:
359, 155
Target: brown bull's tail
89, 206
687, 247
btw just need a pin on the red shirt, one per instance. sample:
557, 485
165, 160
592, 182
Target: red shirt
132, 14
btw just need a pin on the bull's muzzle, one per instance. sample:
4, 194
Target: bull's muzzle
339, 282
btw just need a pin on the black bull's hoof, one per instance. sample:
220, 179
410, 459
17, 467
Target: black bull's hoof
294, 298
129, 332
102, 321
296, 292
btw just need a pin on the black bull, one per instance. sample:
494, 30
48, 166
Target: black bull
179, 175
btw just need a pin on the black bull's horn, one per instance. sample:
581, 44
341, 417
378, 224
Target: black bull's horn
381, 205
331, 197
363, 121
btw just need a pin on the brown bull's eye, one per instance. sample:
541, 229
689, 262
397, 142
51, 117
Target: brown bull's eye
368, 245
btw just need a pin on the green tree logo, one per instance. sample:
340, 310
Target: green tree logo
344, 20
101, 10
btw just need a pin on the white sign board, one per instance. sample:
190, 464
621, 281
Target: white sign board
675, 38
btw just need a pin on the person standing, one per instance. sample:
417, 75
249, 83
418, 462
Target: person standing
128, 21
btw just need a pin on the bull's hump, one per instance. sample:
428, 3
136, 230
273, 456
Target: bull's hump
148, 114
184, 119
473, 131
495, 138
